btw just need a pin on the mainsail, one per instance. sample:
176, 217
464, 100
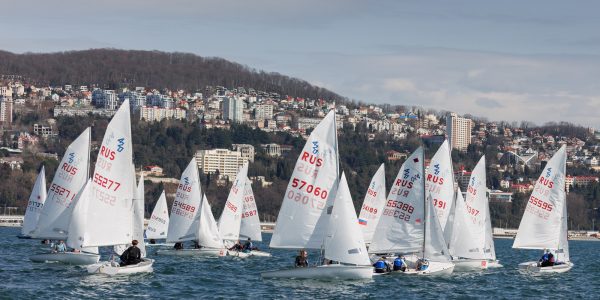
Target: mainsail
310, 193
35, 204
439, 183
544, 222
231, 217
158, 225
207, 232
373, 204
71, 175
186, 206
250, 226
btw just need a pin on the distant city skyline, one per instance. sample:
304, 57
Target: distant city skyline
535, 61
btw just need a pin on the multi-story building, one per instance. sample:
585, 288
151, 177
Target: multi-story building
233, 109
156, 114
110, 100
459, 131
6, 110
246, 150
263, 112
225, 161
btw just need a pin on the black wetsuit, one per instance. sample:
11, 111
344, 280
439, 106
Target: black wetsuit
131, 256
301, 262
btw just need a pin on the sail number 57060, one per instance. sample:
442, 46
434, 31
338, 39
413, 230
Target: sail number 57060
309, 188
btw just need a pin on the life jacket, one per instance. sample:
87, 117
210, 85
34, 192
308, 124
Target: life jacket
398, 262
380, 264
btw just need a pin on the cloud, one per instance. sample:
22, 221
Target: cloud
488, 103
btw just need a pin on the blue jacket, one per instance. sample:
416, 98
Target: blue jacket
380, 265
398, 262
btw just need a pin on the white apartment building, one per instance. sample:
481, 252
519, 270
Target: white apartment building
6, 110
156, 114
459, 131
246, 150
263, 112
233, 109
227, 162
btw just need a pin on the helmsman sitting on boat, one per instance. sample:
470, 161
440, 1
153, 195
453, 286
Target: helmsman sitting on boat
382, 265
132, 255
302, 259
60, 247
422, 264
400, 263
547, 259
237, 246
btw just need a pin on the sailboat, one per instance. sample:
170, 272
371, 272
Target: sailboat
191, 218
53, 224
544, 222
472, 244
373, 204
158, 225
409, 224
231, 217
439, 185
306, 218
35, 205
344, 250
106, 207
250, 225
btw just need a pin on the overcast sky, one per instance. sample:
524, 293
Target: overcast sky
504, 60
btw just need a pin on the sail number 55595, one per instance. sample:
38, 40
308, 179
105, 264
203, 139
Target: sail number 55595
309, 188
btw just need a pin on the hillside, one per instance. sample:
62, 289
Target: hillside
112, 67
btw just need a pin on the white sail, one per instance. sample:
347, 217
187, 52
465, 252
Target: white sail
250, 226
71, 175
400, 228
543, 225
186, 206
35, 204
109, 214
477, 208
439, 183
207, 232
78, 220
138, 216
463, 244
158, 225
303, 217
342, 244
372, 207
231, 217
435, 245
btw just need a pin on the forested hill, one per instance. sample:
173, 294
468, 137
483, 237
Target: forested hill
186, 71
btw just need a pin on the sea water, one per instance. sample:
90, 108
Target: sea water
189, 277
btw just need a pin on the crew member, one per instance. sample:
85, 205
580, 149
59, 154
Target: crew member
399, 263
132, 255
248, 246
178, 246
60, 247
302, 259
547, 259
382, 265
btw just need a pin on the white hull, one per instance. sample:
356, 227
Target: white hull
194, 252
113, 268
160, 244
325, 272
260, 253
434, 269
70, 258
532, 267
239, 254
475, 264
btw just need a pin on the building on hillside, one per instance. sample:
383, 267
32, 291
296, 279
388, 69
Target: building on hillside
459, 131
393, 155
233, 109
6, 110
462, 178
263, 112
246, 150
500, 196
225, 161
153, 170
157, 114
44, 131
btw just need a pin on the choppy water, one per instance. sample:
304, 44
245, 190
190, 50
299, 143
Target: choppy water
185, 277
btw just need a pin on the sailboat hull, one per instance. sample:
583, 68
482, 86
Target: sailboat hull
159, 244
113, 268
208, 252
325, 272
435, 269
71, 258
260, 253
532, 267
475, 264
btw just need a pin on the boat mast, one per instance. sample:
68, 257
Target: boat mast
424, 200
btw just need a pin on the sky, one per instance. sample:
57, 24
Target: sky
536, 61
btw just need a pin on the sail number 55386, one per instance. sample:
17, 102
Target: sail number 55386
309, 188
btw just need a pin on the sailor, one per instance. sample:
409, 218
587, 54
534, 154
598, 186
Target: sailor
178, 246
132, 255
302, 259
197, 245
547, 259
248, 246
152, 241
422, 264
60, 247
237, 246
382, 265
400, 263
